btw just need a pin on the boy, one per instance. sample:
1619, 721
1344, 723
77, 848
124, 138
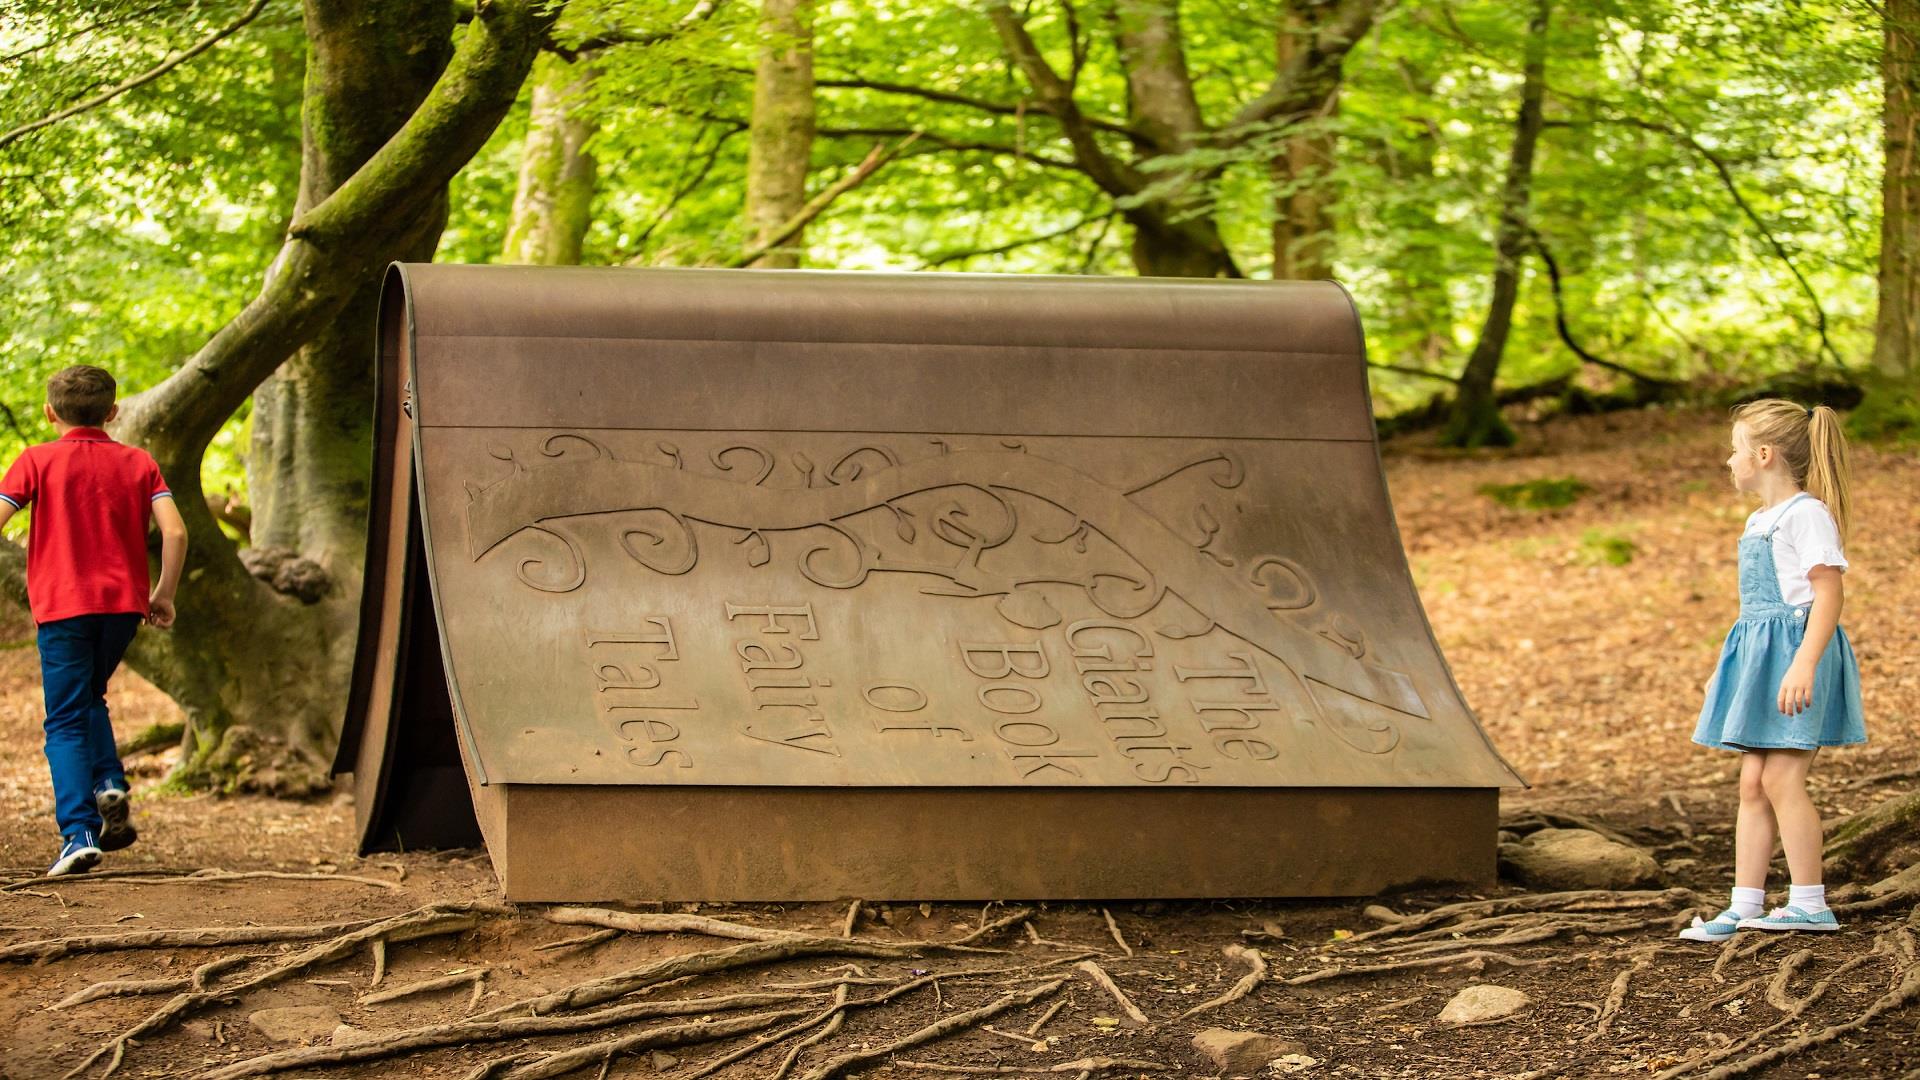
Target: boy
87, 586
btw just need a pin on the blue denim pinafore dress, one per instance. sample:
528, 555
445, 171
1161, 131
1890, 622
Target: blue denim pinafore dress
1742, 710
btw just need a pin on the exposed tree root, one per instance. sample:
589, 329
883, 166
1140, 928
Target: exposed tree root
1245, 986
638, 923
582, 941
852, 920
208, 876
1078, 1065
833, 1028
1583, 900
1114, 929
748, 954
1617, 994
936, 1030
1777, 986
1882, 946
831, 1015
700, 1031
1476, 957
1904, 993
1105, 982
464, 1032
132, 987
444, 982
422, 922
1543, 931
55, 948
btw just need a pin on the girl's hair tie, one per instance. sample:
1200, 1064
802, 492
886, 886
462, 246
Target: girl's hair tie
1810, 414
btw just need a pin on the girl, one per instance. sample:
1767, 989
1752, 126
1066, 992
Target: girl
1787, 684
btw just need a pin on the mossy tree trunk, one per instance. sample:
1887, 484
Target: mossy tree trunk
1475, 419
1897, 328
259, 663
553, 203
780, 145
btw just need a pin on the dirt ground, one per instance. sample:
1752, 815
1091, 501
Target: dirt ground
1585, 671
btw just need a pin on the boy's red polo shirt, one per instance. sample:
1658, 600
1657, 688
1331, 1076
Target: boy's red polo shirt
87, 544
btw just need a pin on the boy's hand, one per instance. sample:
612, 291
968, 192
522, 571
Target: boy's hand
1796, 690
160, 611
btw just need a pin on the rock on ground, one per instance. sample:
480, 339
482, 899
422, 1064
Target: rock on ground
1563, 859
297, 1023
1478, 1004
1242, 1053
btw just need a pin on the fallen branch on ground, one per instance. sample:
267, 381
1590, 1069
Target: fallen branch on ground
1105, 982
1114, 929
1245, 986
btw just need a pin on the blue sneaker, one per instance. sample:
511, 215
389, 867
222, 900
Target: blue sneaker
116, 816
79, 854
1719, 928
1792, 918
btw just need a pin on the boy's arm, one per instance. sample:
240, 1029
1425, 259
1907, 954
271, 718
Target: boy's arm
173, 560
7, 510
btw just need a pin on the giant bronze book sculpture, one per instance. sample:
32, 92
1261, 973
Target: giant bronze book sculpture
691, 584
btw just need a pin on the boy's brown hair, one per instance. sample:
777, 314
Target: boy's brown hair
82, 395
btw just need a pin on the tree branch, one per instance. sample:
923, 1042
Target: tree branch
944, 258
320, 264
953, 97
1114, 177
946, 143
1720, 166
609, 37
1566, 334
817, 205
1304, 81
137, 81
1158, 84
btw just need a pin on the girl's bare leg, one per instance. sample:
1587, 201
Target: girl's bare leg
1784, 776
1754, 827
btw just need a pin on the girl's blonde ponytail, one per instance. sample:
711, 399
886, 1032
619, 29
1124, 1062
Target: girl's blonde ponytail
1828, 471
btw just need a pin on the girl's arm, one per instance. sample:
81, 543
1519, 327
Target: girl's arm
1796, 690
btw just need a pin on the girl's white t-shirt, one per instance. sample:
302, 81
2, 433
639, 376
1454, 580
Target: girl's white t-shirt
1808, 537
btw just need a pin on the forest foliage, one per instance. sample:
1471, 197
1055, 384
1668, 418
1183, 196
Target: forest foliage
1707, 180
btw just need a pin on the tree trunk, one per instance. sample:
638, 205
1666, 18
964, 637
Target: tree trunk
1476, 419
260, 667
781, 145
1302, 213
552, 206
369, 65
1897, 328
1420, 308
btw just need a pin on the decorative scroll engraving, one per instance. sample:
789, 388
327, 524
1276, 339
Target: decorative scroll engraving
953, 518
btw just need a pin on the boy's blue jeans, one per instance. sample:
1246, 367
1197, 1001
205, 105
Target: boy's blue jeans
77, 656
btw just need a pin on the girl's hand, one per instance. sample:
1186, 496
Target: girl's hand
1796, 690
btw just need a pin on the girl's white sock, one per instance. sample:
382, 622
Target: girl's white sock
1748, 902
1811, 899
